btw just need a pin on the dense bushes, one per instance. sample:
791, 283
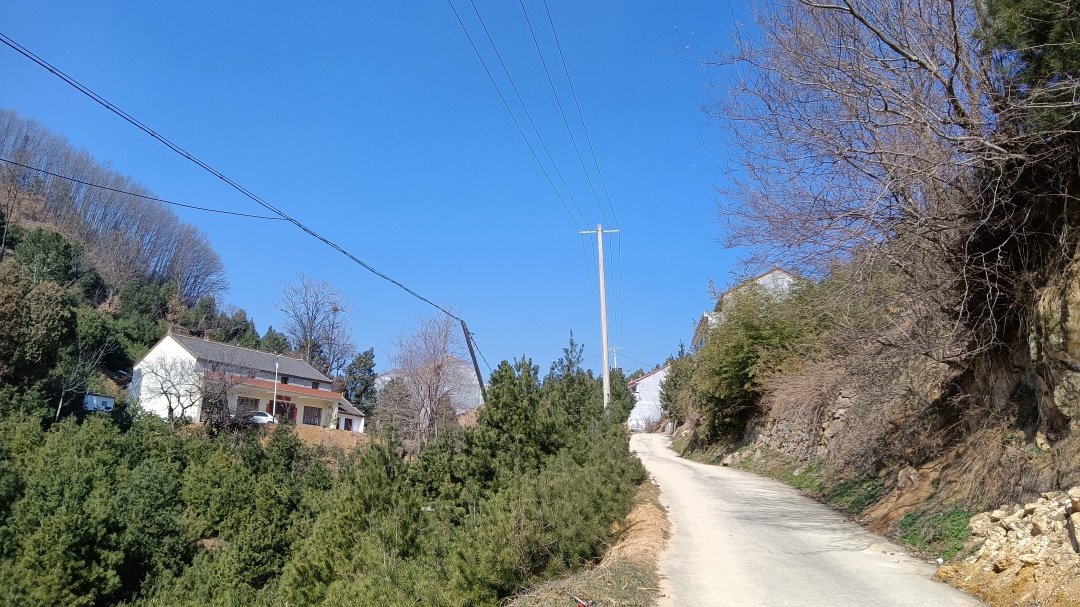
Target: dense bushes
93, 515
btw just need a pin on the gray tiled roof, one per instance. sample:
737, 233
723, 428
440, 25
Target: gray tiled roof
345, 406
252, 359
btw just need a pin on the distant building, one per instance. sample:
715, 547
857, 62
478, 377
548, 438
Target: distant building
459, 383
646, 391
284, 386
97, 402
774, 281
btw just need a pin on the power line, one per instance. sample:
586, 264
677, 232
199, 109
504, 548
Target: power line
482, 357
588, 268
176, 148
635, 360
524, 107
622, 314
143, 196
581, 116
562, 112
619, 315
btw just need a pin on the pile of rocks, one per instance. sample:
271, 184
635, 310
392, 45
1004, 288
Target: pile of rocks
1030, 553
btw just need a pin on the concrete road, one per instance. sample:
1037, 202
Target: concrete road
742, 540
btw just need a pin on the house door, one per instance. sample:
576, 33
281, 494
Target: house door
348, 424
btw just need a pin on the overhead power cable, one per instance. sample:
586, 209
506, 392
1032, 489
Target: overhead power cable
143, 196
581, 116
176, 148
584, 223
562, 112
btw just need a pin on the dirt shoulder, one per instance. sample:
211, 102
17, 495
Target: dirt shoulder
627, 575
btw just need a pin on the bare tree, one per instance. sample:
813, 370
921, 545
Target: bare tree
177, 381
891, 129
125, 231
187, 385
317, 323
216, 381
74, 375
428, 362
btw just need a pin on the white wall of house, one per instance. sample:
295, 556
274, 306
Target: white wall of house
357, 422
145, 388
97, 402
776, 281
646, 392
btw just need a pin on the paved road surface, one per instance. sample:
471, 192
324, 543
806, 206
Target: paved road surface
741, 540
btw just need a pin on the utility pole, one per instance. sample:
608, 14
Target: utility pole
600, 231
476, 366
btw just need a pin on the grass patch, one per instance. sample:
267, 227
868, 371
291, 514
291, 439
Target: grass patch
712, 456
809, 478
854, 496
851, 497
941, 533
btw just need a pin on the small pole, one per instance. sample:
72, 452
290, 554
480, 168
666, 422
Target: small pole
277, 359
476, 365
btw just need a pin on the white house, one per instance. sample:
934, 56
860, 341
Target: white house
775, 281
169, 382
646, 391
98, 402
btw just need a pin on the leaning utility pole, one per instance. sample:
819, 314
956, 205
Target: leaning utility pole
599, 231
476, 366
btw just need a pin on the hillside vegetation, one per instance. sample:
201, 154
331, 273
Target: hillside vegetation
131, 509
917, 161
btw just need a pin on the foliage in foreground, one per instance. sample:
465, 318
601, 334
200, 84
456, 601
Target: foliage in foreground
94, 515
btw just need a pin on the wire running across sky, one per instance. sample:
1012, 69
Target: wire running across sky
179, 150
143, 196
615, 269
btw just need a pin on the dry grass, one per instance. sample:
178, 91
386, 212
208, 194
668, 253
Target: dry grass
626, 576
331, 438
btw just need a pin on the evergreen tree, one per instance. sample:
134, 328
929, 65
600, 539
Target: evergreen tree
359, 381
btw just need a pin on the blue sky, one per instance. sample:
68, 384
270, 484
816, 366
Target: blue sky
375, 124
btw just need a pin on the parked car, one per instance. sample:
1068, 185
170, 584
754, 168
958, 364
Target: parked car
260, 417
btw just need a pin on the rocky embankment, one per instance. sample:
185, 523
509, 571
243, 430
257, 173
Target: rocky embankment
1025, 555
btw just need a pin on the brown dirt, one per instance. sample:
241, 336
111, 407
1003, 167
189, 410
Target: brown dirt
627, 575
328, 437
910, 493
469, 419
645, 533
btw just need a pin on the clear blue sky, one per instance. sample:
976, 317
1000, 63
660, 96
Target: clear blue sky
375, 124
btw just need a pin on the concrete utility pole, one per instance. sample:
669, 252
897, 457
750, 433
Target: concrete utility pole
600, 231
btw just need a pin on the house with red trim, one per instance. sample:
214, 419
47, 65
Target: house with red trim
168, 381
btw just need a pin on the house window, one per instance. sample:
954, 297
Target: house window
284, 379
348, 424
246, 405
315, 385
312, 416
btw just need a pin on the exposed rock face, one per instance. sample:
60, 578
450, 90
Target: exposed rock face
1054, 343
1030, 554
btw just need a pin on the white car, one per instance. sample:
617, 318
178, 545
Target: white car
260, 417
